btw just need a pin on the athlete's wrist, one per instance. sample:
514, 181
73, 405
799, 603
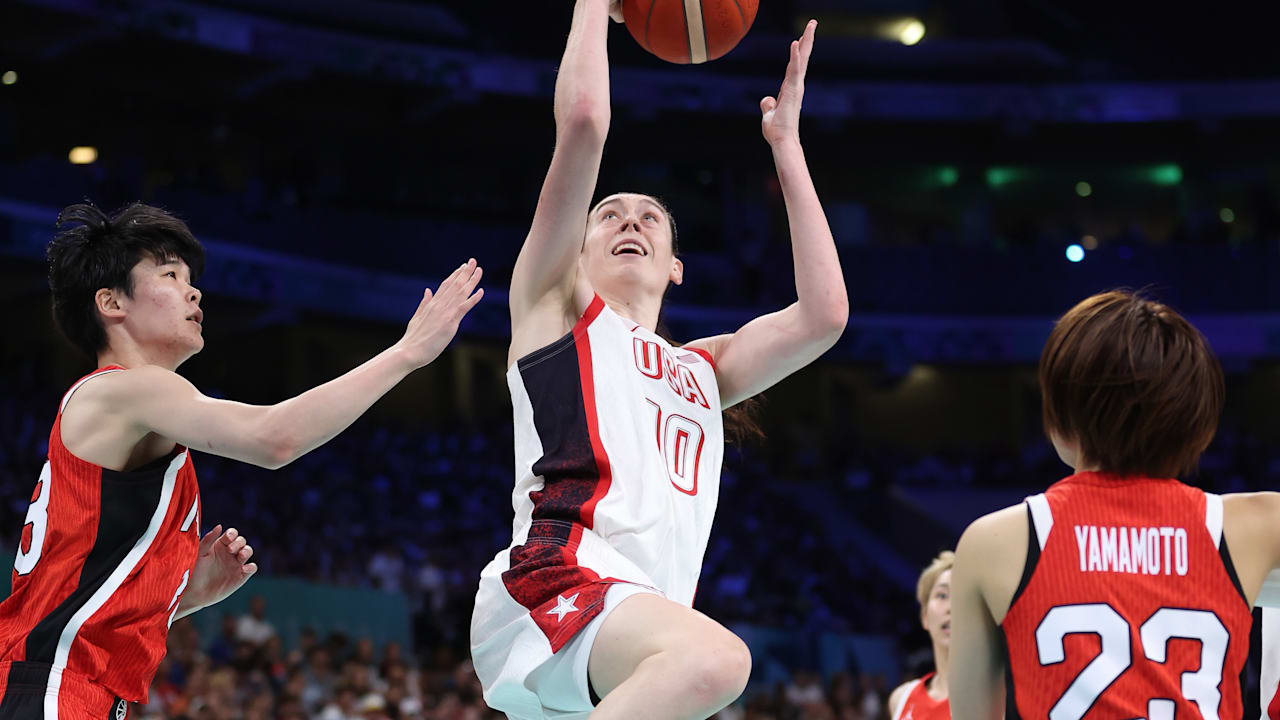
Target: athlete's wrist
786, 144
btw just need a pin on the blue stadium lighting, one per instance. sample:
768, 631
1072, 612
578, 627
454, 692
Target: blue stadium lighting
1075, 253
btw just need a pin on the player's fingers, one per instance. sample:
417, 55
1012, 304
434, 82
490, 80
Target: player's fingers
237, 546
471, 301
249, 568
473, 281
245, 553
806, 40
455, 278
768, 104
804, 49
211, 536
229, 536
795, 66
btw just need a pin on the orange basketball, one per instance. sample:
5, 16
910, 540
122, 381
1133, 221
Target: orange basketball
689, 31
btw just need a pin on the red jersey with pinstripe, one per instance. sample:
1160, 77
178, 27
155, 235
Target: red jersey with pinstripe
1129, 607
920, 705
102, 563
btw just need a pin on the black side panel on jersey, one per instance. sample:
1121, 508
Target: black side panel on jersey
1231, 569
553, 382
128, 500
1033, 557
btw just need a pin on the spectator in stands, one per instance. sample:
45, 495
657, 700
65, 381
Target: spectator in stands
254, 628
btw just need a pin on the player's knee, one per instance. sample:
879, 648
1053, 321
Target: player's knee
717, 671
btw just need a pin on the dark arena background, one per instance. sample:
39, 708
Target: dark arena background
337, 157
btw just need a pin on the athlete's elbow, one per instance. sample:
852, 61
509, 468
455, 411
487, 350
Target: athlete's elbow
583, 119
826, 323
277, 450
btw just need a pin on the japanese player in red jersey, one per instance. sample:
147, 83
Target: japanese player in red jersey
926, 698
1120, 592
618, 432
110, 553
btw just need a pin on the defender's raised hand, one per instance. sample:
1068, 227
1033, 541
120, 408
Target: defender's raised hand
781, 115
222, 566
436, 321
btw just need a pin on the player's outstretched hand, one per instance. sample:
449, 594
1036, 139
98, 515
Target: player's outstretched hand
615, 10
780, 119
436, 321
222, 566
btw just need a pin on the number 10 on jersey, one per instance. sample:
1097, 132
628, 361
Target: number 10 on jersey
680, 440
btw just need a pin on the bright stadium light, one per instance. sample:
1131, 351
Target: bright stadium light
1227, 215
10, 77
1167, 174
912, 32
1075, 253
1084, 189
83, 155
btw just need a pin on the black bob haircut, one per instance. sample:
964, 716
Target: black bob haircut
92, 250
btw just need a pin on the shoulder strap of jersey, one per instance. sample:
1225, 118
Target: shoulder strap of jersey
1213, 517
1041, 518
1039, 523
896, 712
99, 373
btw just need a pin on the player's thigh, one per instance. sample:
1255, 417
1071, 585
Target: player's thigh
645, 625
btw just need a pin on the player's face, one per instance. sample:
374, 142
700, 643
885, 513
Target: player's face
629, 246
936, 615
164, 313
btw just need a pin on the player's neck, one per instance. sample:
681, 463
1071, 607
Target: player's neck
938, 683
130, 355
644, 311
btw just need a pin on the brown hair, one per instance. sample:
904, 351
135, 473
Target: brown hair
930, 576
1133, 384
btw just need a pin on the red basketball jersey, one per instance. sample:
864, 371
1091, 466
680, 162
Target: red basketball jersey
102, 564
1129, 606
918, 705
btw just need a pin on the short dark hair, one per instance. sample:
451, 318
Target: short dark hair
92, 250
1133, 383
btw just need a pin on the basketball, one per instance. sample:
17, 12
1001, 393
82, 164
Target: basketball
689, 31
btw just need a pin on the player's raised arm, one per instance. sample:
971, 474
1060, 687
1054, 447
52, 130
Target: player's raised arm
546, 269
773, 346
151, 399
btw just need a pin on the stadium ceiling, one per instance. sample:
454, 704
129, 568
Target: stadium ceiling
1037, 62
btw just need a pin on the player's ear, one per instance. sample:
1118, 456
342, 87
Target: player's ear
677, 271
109, 303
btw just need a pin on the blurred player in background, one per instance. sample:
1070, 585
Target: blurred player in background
926, 698
1121, 592
619, 433
110, 553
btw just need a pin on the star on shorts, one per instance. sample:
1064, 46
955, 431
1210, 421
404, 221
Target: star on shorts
564, 606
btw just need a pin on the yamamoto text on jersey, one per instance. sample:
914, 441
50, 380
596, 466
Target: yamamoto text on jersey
1136, 550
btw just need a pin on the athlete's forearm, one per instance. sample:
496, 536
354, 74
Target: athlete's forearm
820, 287
582, 86
305, 422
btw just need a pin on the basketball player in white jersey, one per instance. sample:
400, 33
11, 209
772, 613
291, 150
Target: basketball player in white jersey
618, 433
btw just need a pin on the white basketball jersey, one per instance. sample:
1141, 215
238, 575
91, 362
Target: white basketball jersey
619, 437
